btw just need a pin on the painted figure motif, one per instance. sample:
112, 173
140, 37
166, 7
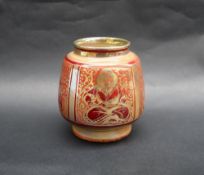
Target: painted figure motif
103, 98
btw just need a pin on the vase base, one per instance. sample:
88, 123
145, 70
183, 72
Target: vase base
111, 134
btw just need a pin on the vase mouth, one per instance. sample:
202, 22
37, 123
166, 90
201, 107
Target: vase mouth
109, 44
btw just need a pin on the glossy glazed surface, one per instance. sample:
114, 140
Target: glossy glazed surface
101, 91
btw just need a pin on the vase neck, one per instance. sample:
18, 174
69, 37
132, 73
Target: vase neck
101, 46
88, 53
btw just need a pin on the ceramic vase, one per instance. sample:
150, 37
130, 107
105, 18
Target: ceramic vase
101, 90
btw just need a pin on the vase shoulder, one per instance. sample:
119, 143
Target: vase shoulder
127, 58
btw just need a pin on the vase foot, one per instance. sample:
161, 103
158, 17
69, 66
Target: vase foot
102, 134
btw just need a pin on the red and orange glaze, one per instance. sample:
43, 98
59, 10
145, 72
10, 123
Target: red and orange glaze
108, 94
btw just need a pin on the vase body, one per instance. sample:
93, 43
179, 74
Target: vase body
101, 89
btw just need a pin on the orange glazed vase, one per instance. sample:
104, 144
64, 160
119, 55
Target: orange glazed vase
101, 89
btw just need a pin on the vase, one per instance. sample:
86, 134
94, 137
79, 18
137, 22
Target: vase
101, 89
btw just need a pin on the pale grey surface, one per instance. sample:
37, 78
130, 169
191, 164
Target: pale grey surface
167, 35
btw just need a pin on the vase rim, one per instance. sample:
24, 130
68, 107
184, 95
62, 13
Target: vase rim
101, 44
